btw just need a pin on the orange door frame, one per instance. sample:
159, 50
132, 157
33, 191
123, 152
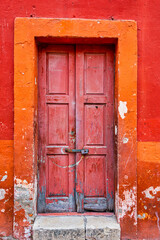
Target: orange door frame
27, 35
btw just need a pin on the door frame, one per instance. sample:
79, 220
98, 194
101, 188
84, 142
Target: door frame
28, 34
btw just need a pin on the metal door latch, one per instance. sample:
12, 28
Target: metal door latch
82, 151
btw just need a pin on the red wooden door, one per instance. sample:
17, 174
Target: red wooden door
76, 111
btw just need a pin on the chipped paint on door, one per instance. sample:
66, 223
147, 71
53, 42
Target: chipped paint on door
56, 122
81, 118
94, 127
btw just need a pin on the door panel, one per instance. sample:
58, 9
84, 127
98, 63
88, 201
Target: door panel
56, 129
58, 186
94, 169
57, 124
76, 110
94, 124
57, 73
94, 67
94, 127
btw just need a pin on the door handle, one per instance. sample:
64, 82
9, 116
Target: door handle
82, 151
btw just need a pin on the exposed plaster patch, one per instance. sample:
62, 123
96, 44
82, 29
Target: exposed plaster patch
24, 195
127, 205
2, 193
149, 192
4, 178
125, 140
27, 232
143, 216
22, 187
122, 109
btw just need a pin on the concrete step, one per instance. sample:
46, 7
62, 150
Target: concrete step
76, 227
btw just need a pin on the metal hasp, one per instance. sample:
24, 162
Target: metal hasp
82, 151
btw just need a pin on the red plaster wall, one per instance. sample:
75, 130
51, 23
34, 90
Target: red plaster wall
147, 15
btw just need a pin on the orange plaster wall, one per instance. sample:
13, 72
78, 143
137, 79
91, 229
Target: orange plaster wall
25, 84
148, 167
6, 187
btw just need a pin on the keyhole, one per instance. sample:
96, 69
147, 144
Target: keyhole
96, 106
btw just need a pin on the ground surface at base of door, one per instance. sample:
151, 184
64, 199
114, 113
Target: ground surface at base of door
76, 118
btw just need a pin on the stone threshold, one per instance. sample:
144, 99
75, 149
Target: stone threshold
78, 226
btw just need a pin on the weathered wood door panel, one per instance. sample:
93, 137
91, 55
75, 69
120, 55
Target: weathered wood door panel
56, 129
94, 127
76, 111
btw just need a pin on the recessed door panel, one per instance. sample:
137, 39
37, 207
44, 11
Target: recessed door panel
95, 173
94, 73
57, 73
58, 124
94, 124
58, 177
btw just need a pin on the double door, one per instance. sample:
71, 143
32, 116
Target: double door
75, 122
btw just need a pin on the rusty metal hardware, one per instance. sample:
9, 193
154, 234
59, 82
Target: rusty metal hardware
82, 151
